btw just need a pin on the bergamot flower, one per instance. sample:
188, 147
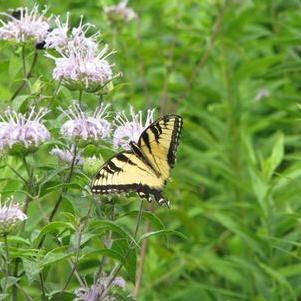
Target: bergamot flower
21, 133
24, 26
84, 126
10, 216
120, 12
130, 129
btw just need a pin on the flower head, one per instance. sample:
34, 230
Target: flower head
83, 69
10, 215
60, 38
67, 155
83, 126
26, 131
262, 93
120, 12
25, 25
128, 130
99, 290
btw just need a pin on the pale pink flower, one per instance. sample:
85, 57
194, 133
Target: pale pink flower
10, 216
120, 12
26, 129
82, 125
130, 129
99, 290
83, 69
66, 155
27, 25
62, 37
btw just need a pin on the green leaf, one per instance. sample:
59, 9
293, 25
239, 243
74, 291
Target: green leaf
162, 232
32, 269
56, 255
276, 157
53, 228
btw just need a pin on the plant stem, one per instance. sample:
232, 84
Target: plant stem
140, 269
132, 243
80, 233
7, 263
28, 75
17, 174
80, 98
55, 93
23, 60
64, 189
43, 297
29, 184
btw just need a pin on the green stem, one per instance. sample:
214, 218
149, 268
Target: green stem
80, 98
7, 263
64, 189
23, 60
29, 185
80, 233
28, 75
130, 248
55, 94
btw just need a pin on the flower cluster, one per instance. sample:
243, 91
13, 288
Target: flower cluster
83, 126
62, 37
25, 25
26, 131
80, 64
99, 290
130, 129
82, 69
10, 215
120, 12
68, 155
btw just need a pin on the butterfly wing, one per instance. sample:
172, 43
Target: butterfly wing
159, 143
127, 172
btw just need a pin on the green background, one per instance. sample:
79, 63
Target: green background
235, 191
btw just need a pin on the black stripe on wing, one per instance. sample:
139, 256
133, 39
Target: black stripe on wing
175, 138
158, 131
142, 190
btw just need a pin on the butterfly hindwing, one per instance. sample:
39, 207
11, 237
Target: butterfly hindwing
127, 172
159, 143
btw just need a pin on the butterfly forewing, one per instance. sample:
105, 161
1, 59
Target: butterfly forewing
159, 143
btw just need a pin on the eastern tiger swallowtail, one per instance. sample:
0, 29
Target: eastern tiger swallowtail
146, 167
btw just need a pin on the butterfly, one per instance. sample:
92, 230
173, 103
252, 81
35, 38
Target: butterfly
145, 168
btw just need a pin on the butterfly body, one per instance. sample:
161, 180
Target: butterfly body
145, 168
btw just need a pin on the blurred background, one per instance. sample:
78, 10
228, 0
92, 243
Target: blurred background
232, 70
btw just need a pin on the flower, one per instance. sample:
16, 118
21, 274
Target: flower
66, 155
60, 39
27, 132
99, 290
128, 130
262, 93
82, 126
83, 69
25, 25
120, 12
10, 215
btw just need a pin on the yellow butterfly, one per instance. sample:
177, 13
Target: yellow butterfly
146, 167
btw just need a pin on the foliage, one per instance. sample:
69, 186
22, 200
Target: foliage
231, 69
